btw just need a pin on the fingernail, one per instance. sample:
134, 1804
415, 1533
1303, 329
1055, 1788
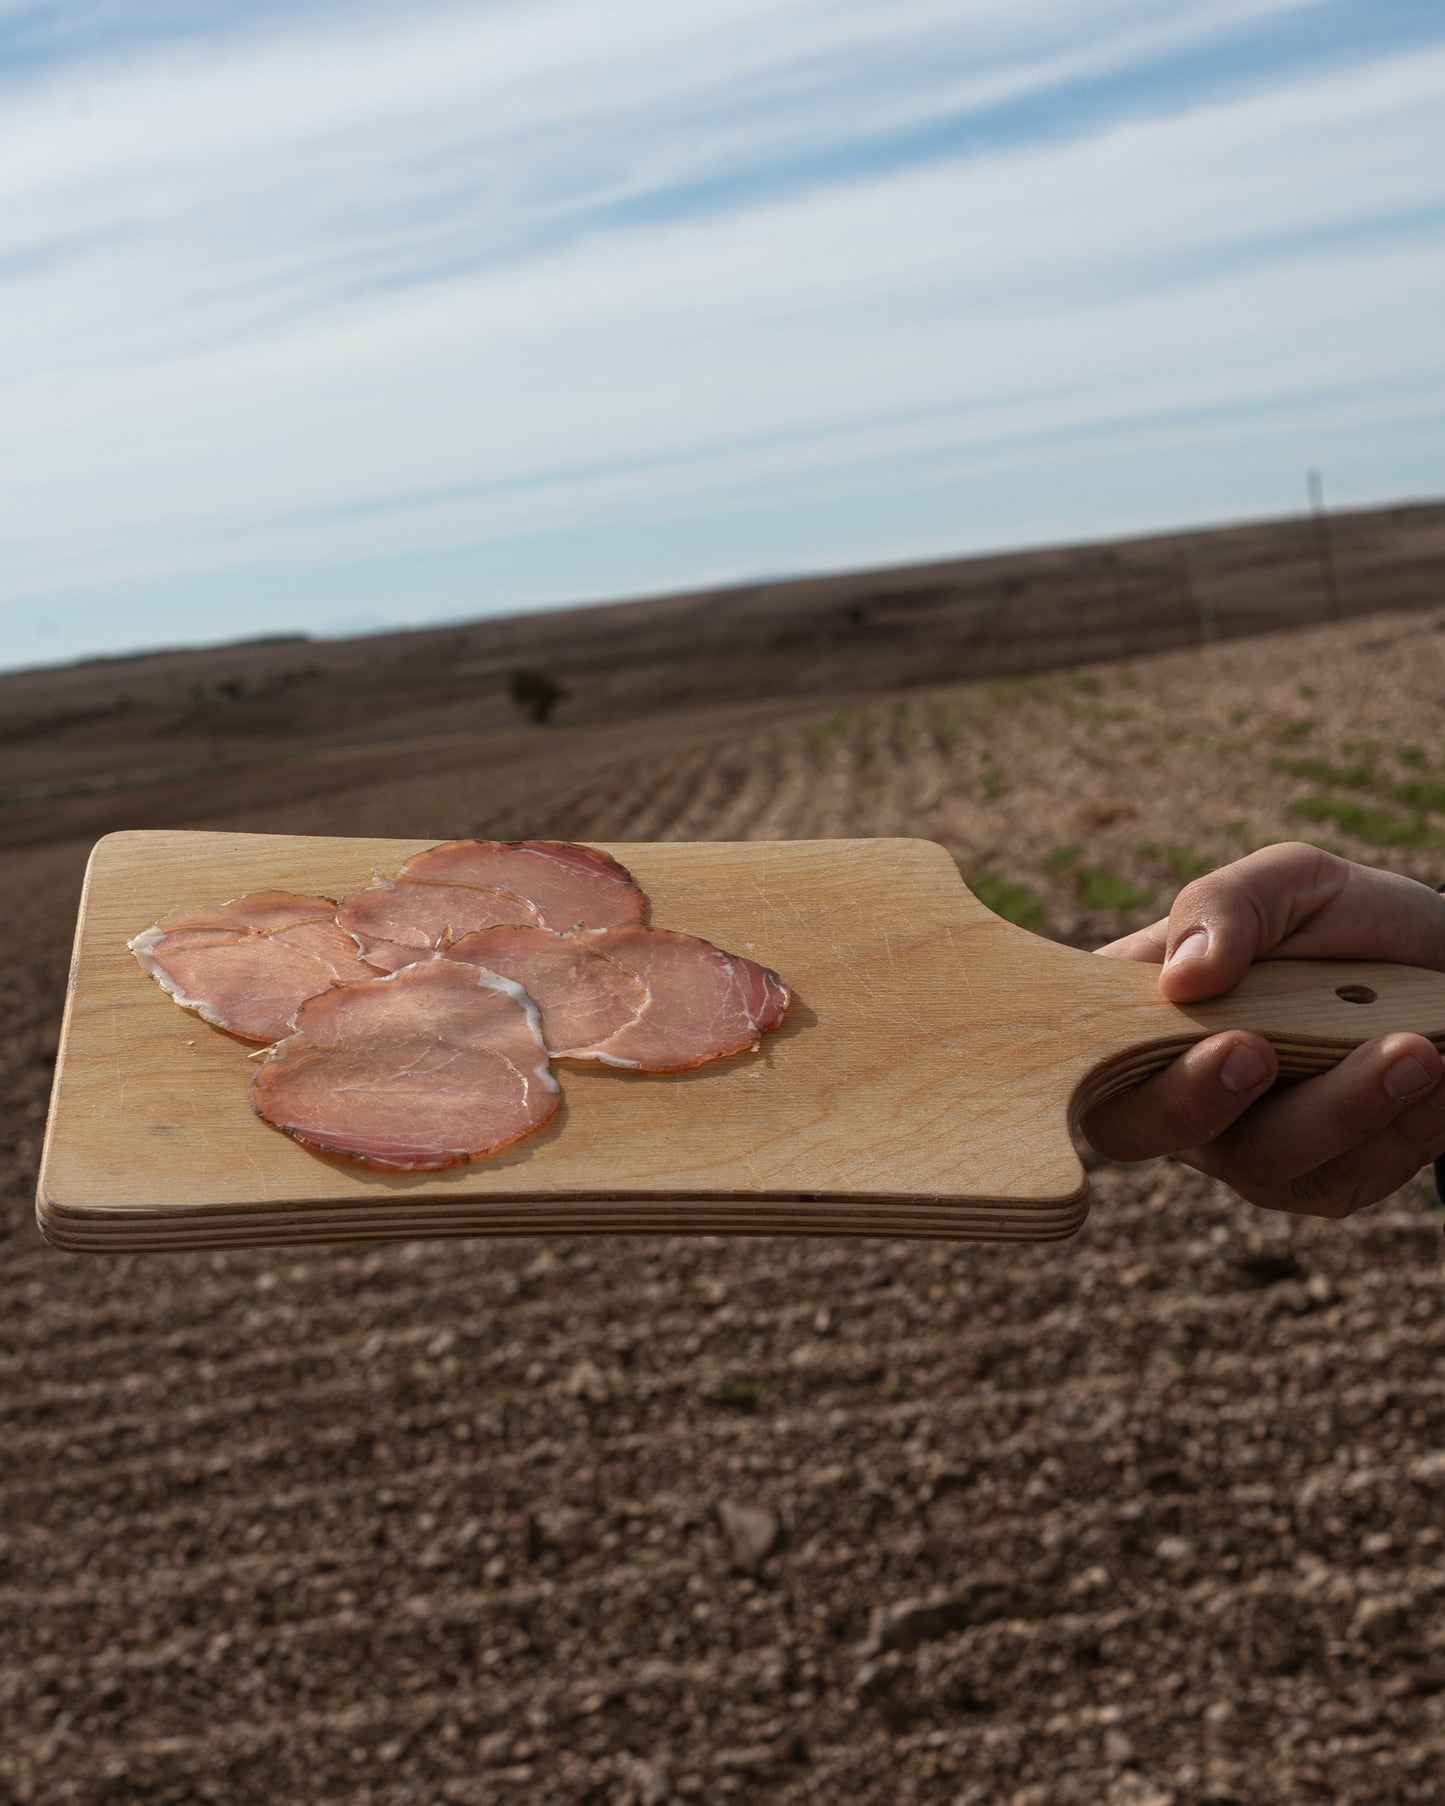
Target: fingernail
1405, 1078
1243, 1071
1193, 946
1436, 1100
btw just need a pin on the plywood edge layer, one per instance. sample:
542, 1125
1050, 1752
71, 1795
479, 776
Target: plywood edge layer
954, 1227
481, 1221
128, 1219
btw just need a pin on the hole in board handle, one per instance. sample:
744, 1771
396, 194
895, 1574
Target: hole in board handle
1356, 994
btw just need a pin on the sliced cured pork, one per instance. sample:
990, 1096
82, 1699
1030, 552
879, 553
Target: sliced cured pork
434, 1065
464, 886
248, 965
703, 1003
397, 924
698, 1003
569, 886
260, 912
583, 996
479, 962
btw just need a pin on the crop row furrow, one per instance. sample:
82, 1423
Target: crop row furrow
755, 794
462, 1375
202, 1449
902, 1331
656, 795
690, 804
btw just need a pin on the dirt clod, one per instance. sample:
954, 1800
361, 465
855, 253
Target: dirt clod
752, 1532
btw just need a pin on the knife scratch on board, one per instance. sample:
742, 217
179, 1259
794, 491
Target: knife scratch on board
787, 902
962, 971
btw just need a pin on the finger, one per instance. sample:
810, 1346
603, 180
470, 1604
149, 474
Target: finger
1305, 1127
1403, 1143
1418, 1125
1358, 1179
1193, 1100
1295, 901
1369, 1172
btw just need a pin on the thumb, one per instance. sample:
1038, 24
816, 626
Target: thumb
1221, 923
1295, 902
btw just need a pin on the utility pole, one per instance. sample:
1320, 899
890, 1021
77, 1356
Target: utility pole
1201, 597
1324, 548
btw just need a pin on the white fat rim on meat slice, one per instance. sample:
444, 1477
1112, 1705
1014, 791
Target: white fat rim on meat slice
592, 1053
361, 951
143, 947
493, 981
571, 1053
487, 980
602, 1059
735, 984
535, 1014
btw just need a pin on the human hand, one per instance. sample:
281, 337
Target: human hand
1328, 1146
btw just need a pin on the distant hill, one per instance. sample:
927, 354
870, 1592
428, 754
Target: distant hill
860, 632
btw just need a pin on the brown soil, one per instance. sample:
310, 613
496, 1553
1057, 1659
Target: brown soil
1156, 1515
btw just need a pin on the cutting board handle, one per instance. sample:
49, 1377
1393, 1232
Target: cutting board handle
1312, 1012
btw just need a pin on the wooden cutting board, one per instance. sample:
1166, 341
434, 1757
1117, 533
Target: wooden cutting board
923, 1084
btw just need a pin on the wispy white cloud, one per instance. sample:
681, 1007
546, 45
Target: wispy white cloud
385, 290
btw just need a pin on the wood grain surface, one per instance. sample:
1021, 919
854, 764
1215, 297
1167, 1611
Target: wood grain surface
922, 1085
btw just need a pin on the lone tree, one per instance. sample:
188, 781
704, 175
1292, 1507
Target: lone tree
535, 693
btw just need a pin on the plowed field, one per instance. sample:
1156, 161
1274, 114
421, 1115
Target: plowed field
1154, 1516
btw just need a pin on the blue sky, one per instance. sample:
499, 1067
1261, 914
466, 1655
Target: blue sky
323, 318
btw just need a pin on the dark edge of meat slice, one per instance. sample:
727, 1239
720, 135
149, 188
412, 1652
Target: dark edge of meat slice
460, 1158
569, 849
560, 852
768, 996
772, 993
579, 855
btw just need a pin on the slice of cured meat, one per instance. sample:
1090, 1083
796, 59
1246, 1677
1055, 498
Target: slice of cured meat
397, 924
248, 965
583, 996
259, 912
698, 1003
570, 886
702, 1004
437, 1064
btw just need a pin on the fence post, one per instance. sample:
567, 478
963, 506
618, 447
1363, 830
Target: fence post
1199, 595
1324, 547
